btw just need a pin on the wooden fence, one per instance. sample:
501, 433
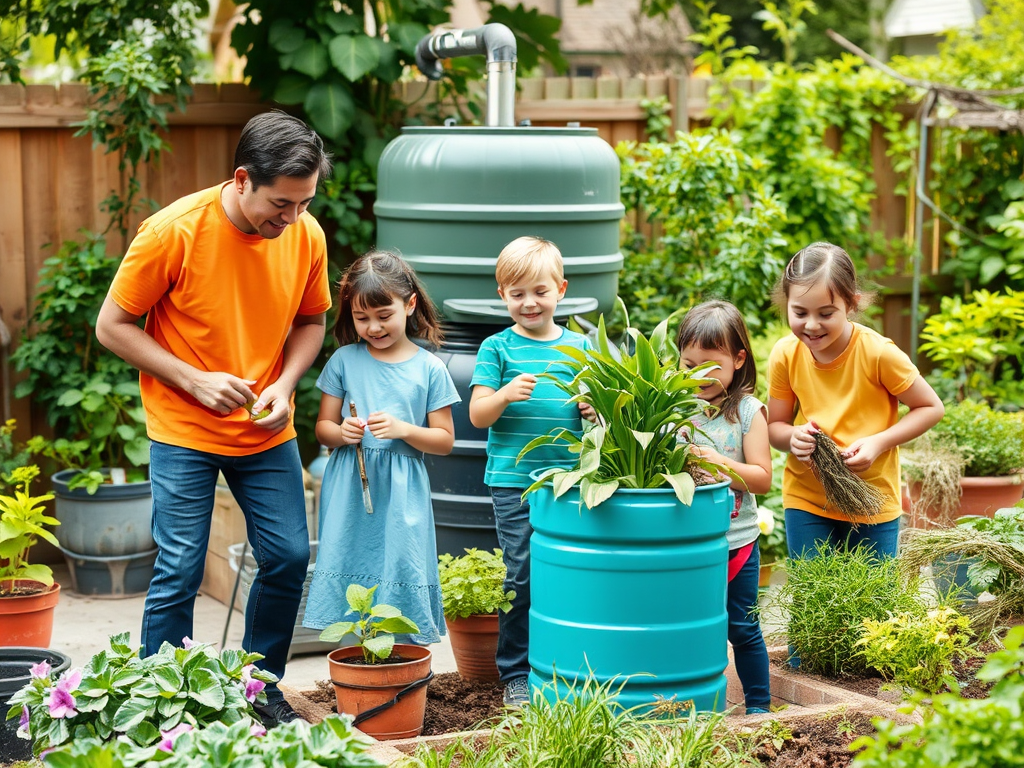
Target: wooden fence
56, 180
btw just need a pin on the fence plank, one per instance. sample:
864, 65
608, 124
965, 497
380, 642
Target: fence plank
14, 283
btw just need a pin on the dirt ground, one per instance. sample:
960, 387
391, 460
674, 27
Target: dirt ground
453, 704
815, 742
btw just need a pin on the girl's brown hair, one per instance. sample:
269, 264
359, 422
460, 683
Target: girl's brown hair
822, 262
718, 325
375, 280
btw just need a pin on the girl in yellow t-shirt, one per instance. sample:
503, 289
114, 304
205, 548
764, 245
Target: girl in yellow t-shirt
839, 377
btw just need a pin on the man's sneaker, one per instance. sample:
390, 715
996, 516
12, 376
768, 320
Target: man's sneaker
517, 693
275, 712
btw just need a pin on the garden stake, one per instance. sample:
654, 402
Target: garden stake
367, 503
847, 493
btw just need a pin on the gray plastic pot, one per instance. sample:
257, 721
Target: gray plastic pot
113, 521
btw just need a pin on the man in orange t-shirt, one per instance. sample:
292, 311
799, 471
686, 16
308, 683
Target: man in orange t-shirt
233, 283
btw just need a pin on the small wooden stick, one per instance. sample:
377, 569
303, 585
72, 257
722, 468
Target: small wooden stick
367, 502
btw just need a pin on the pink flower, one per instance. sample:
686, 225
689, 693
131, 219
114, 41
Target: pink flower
40, 670
257, 729
187, 642
23, 731
169, 737
62, 703
253, 687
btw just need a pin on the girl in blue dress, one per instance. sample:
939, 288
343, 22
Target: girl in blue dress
403, 396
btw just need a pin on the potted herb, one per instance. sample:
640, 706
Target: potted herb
631, 541
118, 695
472, 592
28, 593
990, 445
380, 682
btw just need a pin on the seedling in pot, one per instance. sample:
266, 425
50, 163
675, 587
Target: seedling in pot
375, 628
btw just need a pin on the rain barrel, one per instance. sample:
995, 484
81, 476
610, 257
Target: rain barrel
633, 590
448, 200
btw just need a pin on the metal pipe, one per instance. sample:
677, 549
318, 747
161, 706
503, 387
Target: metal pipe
497, 42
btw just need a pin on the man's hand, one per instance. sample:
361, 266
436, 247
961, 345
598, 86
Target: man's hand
221, 392
277, 399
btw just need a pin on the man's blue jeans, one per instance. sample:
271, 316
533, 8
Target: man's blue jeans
512, 519
268, 488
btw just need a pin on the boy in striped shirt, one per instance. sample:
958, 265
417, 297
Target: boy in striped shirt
516, 406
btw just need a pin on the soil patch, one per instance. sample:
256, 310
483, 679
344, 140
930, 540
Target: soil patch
816, 742
453, 704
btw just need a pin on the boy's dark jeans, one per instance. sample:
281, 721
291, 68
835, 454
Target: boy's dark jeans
512, 519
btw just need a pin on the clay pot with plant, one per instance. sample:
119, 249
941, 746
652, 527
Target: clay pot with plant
472, 592
970, 464
28, 593
381, 683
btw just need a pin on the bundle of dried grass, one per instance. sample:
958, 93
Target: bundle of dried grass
920, 548
935, 468
845, 492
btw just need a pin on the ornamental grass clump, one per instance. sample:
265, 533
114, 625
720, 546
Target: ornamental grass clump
829, 593
643, 401
845, 492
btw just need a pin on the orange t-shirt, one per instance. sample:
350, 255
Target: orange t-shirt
219, 300
851, 397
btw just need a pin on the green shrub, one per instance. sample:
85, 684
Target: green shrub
955, 730
991, 442
331, 743
828, 597
917, 652
473, 584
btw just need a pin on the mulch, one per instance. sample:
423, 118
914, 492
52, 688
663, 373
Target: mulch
816, 742
453, 704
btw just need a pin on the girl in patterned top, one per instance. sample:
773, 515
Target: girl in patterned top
733, 432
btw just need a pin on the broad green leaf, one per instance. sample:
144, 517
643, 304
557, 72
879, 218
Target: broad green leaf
71, 397
168, 678
593, 493
292, 88
380, 646
285, 37
311, 59
360, 598
399, 624
590, 459
384, 611
682, 483
335, 632
353, 56
341, 22
330, 108
205, 688
133, 712
408, 35
563, 481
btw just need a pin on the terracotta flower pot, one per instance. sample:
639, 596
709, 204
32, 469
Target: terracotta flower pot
764, 575
474, 643
27, 620
979, 496
360, 687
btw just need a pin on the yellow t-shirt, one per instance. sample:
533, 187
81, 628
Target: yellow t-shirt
851, 397
219, 300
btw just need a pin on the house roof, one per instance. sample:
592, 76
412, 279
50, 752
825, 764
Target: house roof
908, 18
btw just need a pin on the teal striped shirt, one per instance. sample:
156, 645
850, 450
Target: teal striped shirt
501, 358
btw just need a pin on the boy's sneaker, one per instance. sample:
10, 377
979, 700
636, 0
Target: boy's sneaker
756, 711
275, 712
517, 693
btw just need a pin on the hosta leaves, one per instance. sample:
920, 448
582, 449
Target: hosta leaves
683, 485
354, 56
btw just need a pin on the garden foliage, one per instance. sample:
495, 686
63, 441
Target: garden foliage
119, 695
991, 442
829, 593
473, 584
332, 743
955, 730
375, 626
22, 523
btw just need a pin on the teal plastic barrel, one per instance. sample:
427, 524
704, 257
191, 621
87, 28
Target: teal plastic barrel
450, 198
634, 588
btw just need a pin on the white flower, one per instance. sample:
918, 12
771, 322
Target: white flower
765, 520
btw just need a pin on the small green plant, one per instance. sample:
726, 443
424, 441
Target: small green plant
121, 696
12, 454
917, 652
331, 743
978, 346
829, 593
642, 400
22, 518
992, 442
473, 584
956, 730
375, 628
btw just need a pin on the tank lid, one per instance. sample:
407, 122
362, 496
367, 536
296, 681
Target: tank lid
494, 130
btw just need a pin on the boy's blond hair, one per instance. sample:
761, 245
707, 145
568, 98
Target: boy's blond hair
526, 257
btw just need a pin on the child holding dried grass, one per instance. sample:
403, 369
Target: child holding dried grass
834, 389
734, 432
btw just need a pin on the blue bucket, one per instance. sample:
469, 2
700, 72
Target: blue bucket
634, 588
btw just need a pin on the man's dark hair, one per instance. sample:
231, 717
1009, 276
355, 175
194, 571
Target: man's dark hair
277, 144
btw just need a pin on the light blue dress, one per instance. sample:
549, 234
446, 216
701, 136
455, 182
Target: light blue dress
394, 547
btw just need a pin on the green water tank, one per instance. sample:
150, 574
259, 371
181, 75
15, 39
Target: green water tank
450, 198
